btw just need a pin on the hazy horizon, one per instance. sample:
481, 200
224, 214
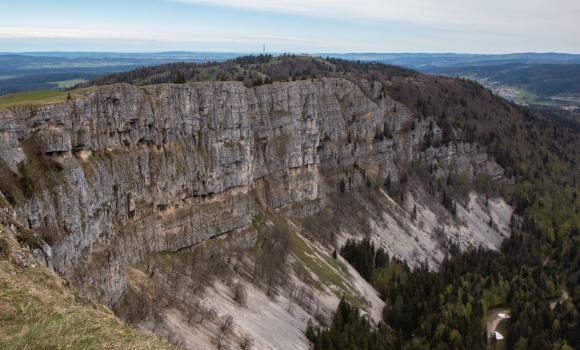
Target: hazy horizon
313, 26
296, 52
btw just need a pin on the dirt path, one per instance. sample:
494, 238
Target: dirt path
562, 299
494, 318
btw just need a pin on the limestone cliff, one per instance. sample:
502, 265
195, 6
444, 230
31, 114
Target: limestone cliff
126, 171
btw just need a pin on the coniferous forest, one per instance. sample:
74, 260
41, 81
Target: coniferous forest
536, 273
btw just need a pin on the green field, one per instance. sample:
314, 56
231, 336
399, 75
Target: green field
32, 98
39, 98
67, 84
531, 98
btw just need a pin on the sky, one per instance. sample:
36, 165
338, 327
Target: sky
301, 26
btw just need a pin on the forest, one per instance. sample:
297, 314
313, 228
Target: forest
256, 70
543, 79
536, 273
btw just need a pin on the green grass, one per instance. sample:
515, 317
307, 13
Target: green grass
32, 98
259, 224
526, 96
329, 272
37, 312
39, 97
533, 99
312, 265
66, 84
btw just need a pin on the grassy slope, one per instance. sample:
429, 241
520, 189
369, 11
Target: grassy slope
37, 312
327, 270
32, 98
38, 98
67, 84
314, 266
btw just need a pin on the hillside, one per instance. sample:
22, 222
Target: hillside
551, 88
542, 79
211, 212
255, 70
37, 311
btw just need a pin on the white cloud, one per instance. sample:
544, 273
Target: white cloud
68, 33
545, 17
64, 33
169, 40
435, 26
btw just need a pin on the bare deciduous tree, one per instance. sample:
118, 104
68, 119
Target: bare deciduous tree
240, 293
270, 264
246, 342
225, 329
206, 314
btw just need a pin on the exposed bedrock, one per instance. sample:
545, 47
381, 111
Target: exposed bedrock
128, 170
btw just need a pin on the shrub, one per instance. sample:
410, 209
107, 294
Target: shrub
10, 185
240, 293
4, 247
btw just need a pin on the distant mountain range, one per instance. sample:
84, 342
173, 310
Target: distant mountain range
426, 61
61, 70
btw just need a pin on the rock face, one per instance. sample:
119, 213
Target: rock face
130, 170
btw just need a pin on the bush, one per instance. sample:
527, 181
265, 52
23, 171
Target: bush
246, 342
4, 248
51, 235
271, 266
240, 293
10, 185
179, 78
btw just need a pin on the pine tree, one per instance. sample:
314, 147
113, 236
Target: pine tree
179, 78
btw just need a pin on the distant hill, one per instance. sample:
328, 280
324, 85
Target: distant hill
255, 70
426, 61
61, 70
542, 79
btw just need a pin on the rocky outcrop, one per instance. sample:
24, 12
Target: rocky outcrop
130, 170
